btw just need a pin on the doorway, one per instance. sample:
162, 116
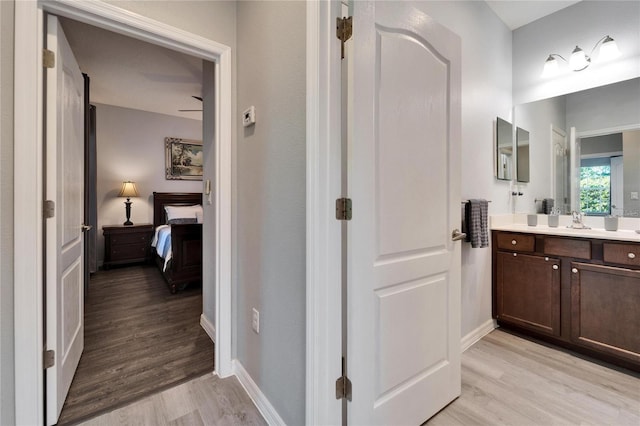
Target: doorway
138, 339
29, 258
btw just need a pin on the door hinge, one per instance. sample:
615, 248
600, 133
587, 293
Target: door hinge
49, 209
343, 209
49, 358
344, 30
343, 388
48, 58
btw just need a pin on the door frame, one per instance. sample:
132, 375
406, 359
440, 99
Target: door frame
323, 234
28, 201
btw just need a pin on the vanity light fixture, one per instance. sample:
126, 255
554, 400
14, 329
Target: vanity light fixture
579, 60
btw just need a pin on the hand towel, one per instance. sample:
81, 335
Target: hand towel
476, 221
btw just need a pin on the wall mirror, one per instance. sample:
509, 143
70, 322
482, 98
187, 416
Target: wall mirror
586, 148
504, 149
522, 157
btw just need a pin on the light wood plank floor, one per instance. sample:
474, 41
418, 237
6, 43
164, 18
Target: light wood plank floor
207, 400
506, 380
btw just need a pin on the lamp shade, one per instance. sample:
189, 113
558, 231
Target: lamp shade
551, 67
128, 190
578, 60
608, 50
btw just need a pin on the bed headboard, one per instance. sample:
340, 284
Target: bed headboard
161, 199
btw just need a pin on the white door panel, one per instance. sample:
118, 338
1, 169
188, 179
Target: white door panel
64, 236
404, 179
617, 187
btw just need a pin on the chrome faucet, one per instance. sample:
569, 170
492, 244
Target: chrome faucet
577, 221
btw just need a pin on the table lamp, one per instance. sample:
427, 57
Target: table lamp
128, 190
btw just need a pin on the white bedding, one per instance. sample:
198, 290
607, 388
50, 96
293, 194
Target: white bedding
162, 243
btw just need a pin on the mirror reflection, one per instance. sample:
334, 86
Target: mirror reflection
504, 149
522, 145
585, 148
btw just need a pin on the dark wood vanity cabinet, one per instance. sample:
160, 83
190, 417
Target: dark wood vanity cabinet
528, 291
605, 309
580, 293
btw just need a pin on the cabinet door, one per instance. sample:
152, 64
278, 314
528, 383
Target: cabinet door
605, 309
528, 292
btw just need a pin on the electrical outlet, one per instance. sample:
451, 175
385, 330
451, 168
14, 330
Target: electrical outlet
634, 195
255, 321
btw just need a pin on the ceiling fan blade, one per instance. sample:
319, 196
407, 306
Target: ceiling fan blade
189, 110
197, 97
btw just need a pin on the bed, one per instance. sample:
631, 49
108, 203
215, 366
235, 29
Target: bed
184, 245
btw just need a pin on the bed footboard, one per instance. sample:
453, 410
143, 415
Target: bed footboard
185, 265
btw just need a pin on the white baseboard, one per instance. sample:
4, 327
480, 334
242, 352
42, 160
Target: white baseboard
477, 334
264, 406
208, 327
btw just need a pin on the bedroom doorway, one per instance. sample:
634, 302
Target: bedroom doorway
144, 339
29, 298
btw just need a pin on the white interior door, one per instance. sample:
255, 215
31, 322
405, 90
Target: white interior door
617, 187
574, 152
559, 178
64, 232
403, 350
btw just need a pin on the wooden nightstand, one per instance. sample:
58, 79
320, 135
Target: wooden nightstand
127, 244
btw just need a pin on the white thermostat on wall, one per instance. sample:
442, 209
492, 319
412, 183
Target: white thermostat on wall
249, 116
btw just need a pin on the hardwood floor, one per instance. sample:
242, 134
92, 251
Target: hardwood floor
507, 380
207, 400
139, 340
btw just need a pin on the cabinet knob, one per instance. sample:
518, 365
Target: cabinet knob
514, 242
574, 270
546, 259
631, 255
515, 254
555, 267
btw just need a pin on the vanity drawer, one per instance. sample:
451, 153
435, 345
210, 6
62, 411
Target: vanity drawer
567, 247
623, 254
516, 242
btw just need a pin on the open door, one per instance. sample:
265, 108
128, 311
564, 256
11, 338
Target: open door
64, 192
403, 350
617, 186
574, 152
559, 169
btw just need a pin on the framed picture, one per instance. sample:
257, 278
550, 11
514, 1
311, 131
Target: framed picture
183, 159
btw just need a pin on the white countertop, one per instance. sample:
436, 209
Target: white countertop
518, 223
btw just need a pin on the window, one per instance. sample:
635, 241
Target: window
595, 186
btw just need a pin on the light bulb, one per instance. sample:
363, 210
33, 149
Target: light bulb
578, 60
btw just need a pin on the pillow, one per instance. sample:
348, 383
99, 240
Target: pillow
182, 220
182, 212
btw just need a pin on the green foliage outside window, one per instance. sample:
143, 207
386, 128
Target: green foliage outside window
595, 189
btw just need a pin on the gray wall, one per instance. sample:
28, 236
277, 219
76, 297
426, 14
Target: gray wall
271, 202
130, 146
486, 94
6, 214
604, 144
537, 117
604, 107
